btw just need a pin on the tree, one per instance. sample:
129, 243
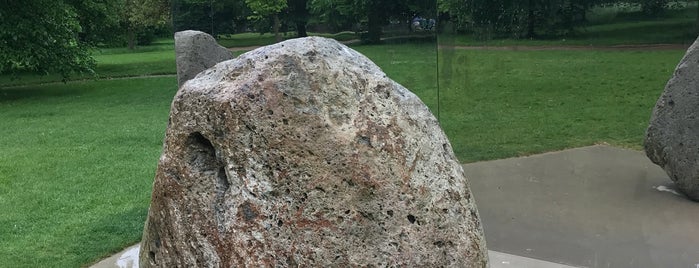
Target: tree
298, 13
99, 20
338, 15
139, 15
515, 18
371, 14
265, 8
212, 17
653, 7
42, 36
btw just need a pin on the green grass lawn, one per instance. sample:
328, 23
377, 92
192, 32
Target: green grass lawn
78, 159
412, 65
76, 167
497, 104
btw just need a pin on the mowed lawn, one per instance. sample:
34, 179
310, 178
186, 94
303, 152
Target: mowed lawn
76, 167
77, 160
498, 104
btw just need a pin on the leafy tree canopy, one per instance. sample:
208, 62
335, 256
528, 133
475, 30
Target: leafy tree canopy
56, 36
42, 36
517, 18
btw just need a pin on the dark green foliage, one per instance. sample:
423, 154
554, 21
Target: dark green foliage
517, 18
298, 15
369, 16
56, 36
334, 16
42, 36
99, 20
212, 17
653, 7
141, 19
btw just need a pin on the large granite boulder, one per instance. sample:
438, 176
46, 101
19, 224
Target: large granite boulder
304, 153
196, 51
672, 138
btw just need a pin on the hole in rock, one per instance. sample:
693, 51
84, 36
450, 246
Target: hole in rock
208, 171
201, 153
411, 218
364, 140
248, 210
222, 182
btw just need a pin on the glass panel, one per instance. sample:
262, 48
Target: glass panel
519, 78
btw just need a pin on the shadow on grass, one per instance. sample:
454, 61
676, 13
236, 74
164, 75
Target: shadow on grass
34, 93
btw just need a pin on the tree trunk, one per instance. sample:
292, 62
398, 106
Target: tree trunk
301, 29
531, 20
298, 9
131, 36
374, 26
275, 27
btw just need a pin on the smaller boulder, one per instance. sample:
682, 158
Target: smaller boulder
197, 51
672, 138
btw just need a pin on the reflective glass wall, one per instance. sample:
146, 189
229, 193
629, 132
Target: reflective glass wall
519, 78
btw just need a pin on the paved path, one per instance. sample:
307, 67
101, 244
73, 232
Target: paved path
596, 206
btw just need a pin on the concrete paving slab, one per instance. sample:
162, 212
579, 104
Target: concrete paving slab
128, 258
504, 260
596, 206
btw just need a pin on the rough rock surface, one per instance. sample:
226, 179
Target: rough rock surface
672, 138
305, 154
195, 52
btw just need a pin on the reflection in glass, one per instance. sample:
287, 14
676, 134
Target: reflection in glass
524, 77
